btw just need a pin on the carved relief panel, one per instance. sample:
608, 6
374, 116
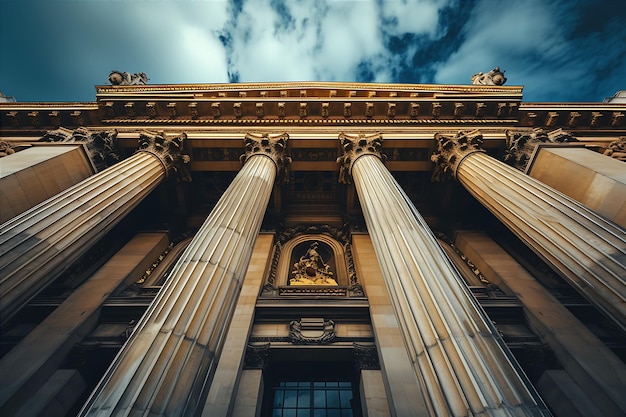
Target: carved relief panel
313, 263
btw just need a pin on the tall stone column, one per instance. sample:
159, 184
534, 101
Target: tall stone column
462, 363
587, 250
167, 365
39, 244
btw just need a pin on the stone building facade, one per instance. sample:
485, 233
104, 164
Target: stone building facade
312, 249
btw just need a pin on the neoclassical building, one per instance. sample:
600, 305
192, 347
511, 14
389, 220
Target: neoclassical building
312, 249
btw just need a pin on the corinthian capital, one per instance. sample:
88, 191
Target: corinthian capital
617, 149
273, 147
355, 147
101, 145
451, 150
520, 145
169, 150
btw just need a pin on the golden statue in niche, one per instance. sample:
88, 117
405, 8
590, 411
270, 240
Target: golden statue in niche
311, 269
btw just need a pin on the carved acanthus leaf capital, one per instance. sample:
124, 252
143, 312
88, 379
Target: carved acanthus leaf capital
169, 150
520, 145
274, 147
101, 145
355, 147
451, 150
6, 148
617, 149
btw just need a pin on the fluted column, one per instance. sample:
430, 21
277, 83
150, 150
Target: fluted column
167, 365
587, 250
456, 352
39, 244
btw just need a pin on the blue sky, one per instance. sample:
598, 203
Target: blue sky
559, 50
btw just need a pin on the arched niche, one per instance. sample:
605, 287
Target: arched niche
335, 251
330, 251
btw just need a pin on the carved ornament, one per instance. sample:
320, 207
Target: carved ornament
365, 356
169, 150
520, 145
493, 77
126, 78
617, 149
353, 148
101, 145
257, 356
312, 270
312, 331
6, 148
451, 150
274, 147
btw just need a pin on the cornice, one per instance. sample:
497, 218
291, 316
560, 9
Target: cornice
347, 86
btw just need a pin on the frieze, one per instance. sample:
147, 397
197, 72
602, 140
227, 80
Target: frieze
216, 154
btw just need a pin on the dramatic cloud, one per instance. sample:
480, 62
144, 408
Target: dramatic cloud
558, 49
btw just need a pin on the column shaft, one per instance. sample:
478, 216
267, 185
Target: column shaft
36, 246
586, 249
594, 367
169, 361
457, 354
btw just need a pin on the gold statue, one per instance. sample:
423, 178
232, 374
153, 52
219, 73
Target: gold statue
311, 269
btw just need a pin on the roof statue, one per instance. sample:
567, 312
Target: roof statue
493, 77
126, 78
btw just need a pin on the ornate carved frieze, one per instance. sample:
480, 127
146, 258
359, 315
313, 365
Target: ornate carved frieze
312, 331
101, 145
451, 150
355, 147
617, 149
520, 145
365, 356
273, 147
169, 150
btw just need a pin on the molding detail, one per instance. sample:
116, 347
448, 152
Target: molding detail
365, 356
169, 150
101, 145
312, 331
452, 150
520, 145
343, 237
617, 149
355, 147
273, 147
257, 356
